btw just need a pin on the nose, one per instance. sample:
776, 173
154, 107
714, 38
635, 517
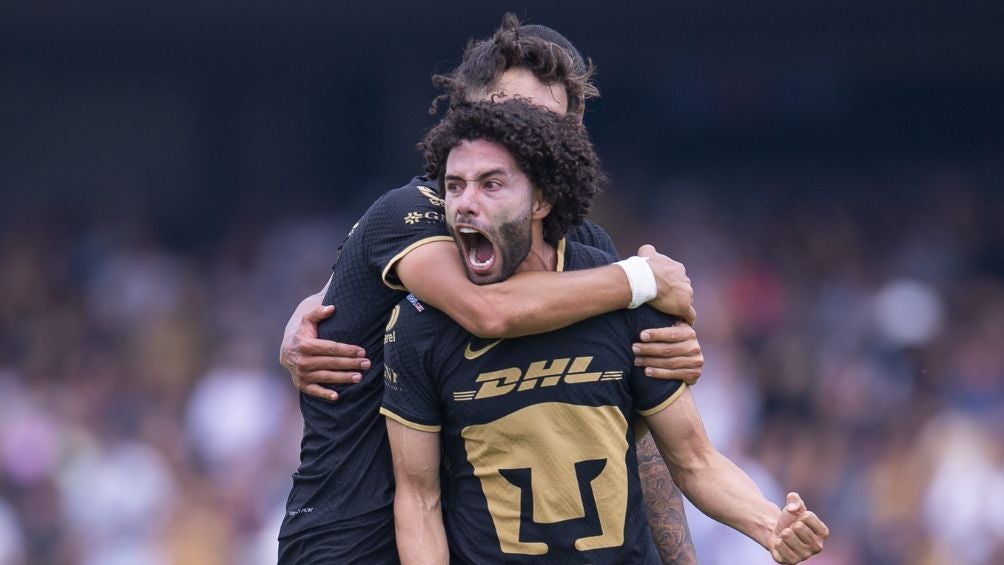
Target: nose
467, 203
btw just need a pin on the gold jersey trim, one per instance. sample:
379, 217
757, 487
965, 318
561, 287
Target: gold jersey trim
408, 423
405, 251
665, 403
561, 256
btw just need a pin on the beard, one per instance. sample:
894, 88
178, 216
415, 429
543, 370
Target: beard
514, 239
511, 244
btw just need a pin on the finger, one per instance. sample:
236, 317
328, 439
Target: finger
785, 519
805, 536
317, 314
782, 553
671, 363
663, 349
305, 364
809, 539
793, 503
320, 392
328, 348
810, 519
669, 334
689, 376
691, 317
329, 377
687, 348
795, 545
647, 250
793, 506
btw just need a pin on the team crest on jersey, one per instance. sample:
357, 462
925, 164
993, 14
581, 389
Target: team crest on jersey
555, 475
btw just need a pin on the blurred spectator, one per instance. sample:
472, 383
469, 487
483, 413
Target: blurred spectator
11, 544
143, 418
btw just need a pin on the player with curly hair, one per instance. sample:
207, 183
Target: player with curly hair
559, 160
539, 432
340, 506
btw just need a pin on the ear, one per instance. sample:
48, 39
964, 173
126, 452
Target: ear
540, 209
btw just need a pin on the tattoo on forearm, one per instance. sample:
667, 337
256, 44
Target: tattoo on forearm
664, 506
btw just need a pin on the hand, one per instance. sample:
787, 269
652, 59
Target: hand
676, 296
670, 353
312, 362
799, 534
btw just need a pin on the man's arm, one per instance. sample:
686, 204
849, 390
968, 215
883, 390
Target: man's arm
311, 361
724, 492
664, 506
418, 514
532, 302
526, 303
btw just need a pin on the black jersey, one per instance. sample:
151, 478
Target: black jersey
345, 467
537, 432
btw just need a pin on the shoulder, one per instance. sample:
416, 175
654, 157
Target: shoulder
411, 209
592, 235
579, 256
645, 317
419, 191
415, 319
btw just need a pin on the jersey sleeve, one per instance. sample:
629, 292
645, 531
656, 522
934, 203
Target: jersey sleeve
594, 236
404, 220
409, 392
651, 395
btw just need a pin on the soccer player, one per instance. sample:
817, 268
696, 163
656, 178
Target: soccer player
340, 506
538, 432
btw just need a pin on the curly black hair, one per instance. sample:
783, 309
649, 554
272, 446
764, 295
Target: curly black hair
554, 151
540, 49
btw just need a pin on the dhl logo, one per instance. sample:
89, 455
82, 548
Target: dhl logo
539, 373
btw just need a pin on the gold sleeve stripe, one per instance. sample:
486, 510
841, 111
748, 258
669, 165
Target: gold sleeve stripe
665, 403
561, 255
409, 423
405, 251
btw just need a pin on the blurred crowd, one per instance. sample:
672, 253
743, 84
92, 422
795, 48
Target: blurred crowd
853, 332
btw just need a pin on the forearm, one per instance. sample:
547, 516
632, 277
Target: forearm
418, 515
539, 301
306, 305
726, 493
664, 506
418, 524
707, 478
526, 303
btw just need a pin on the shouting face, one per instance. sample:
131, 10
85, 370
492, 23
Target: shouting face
490, 208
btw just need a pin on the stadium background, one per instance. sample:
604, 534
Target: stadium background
177, 175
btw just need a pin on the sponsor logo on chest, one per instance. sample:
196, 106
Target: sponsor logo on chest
545, 373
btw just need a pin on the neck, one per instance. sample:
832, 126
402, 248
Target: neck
542, 256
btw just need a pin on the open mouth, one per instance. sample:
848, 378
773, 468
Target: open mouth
478, 249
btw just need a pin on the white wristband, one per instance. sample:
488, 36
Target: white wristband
641, 279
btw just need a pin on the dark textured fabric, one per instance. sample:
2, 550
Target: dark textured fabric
345, 467
363, 540
540, 423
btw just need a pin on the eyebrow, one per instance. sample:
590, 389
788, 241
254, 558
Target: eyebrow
482, 176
